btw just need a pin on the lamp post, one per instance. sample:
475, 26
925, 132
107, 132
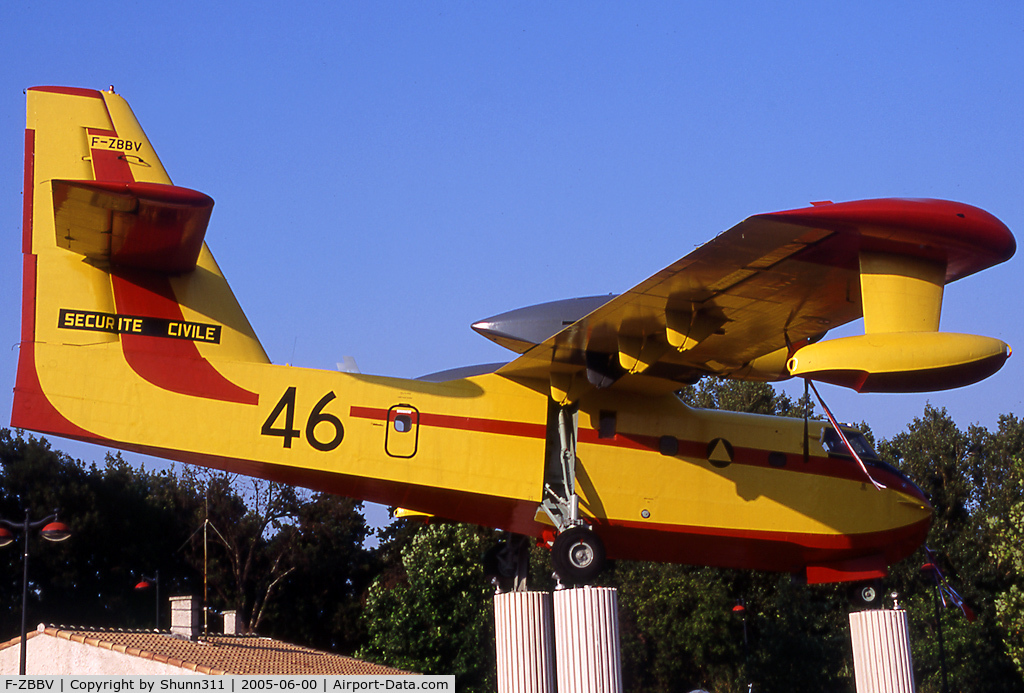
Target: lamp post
52, 531
144, 584
741, 610
932, 570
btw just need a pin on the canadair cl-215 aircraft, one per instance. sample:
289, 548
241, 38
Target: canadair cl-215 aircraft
132, 338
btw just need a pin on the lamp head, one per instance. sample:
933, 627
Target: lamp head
56, 531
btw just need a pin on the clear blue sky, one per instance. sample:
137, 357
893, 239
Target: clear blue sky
387, 173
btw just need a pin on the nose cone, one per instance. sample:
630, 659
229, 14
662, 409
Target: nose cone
524, 328
913, 502
921, 512
917, 496
910, 517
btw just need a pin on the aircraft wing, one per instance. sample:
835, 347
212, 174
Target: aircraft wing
741, 305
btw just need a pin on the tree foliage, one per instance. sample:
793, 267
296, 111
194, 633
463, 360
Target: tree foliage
125, 524
963, 473
1007, 549
265, 543
435, 618
319, 602
749, 397
676, 627
1008, 553
251, 524
295, 566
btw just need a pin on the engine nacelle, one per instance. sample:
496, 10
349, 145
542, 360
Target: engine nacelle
901, 361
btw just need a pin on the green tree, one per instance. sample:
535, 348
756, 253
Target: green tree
122, 527
800, 638
319, 602
963, 475
437, 617
677, 629
1008, 545
744, 396
253, 536
1008, 552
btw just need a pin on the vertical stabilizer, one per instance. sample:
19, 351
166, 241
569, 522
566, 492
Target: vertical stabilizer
116, 274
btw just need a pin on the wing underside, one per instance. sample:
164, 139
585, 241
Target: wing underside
742, 304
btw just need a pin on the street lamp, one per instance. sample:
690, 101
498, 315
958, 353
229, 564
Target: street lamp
52, 531
741, 610
144, 584
932, 570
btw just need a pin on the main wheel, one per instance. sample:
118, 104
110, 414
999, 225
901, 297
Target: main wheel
577, 555
866, 595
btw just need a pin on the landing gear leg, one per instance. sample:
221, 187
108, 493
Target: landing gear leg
578, 554
560, 502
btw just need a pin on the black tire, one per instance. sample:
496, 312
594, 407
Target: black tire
866, 595
577, 555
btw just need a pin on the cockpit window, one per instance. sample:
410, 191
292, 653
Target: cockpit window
833, 444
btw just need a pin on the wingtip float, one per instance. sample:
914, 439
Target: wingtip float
132, 338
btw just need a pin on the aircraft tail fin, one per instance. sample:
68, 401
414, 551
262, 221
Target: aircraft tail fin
115, 261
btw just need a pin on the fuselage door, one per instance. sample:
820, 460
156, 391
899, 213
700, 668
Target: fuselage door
403, 431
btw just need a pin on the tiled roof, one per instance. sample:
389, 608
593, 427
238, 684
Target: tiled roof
217, 654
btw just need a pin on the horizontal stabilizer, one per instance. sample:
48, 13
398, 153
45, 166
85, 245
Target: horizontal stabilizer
141, 225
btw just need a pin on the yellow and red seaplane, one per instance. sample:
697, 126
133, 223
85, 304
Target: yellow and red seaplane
132, 338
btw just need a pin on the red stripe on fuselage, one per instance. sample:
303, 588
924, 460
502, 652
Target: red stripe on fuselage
463, 423
749, 457
758, 550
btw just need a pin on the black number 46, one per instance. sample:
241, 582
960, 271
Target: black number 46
286, 407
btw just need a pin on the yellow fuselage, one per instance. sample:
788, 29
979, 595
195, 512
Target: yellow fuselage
132, 338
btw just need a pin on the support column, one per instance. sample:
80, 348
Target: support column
881, 651
587, 647
524, 638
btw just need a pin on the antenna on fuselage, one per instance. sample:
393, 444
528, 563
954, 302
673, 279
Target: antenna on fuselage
807, 416
842, 437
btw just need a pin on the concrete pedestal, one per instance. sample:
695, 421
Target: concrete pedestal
881, 651
587, 649
524, 638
